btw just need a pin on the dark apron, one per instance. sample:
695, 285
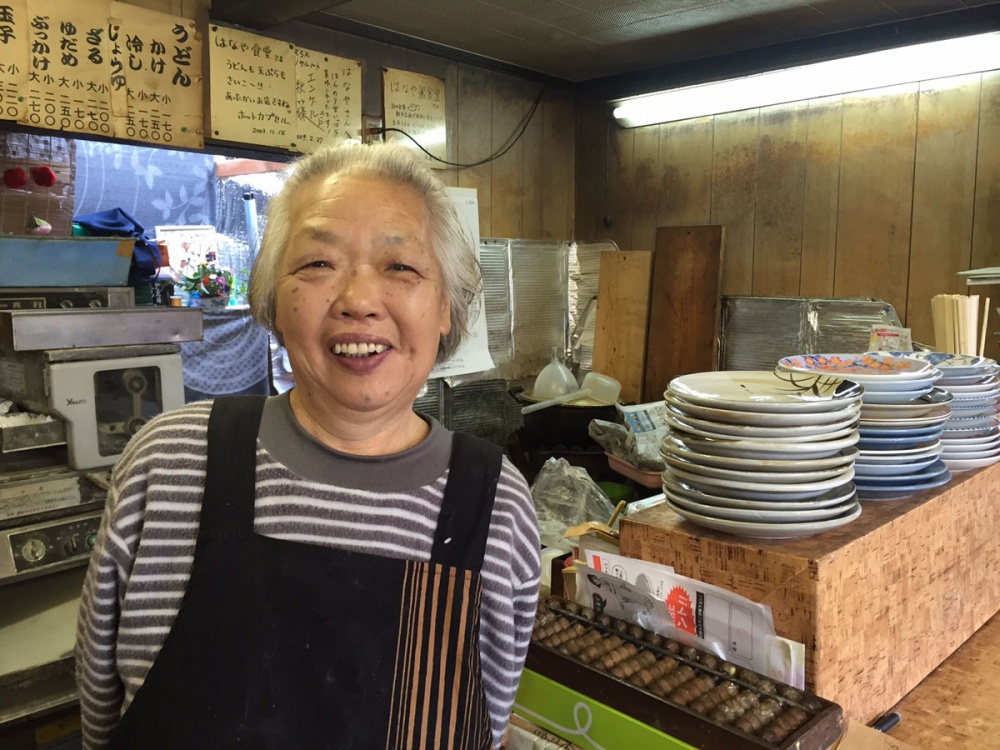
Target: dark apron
286, 645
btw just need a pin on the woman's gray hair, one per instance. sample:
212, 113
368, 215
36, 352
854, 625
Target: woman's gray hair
395, 163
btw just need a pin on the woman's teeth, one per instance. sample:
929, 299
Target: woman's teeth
358, 350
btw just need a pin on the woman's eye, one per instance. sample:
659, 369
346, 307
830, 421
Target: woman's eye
317, 264
400, 267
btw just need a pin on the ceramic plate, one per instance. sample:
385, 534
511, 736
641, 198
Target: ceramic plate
763, 490
952, 365
762, 419
895, 493
969, 464
921, 433
894, 397
926, 474
984, 376
973, 437
961, 391
680, 424
860, 368
895, 384
930, 448
984, 421
760, 530
863, 469
672, 445
836, 496
806, 432
767, 450
759, 477
762, 391
782, 515
940, 415
923, 406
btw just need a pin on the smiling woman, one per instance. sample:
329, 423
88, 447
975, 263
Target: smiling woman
326, 568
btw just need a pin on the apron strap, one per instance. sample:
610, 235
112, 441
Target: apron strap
467, 509
232, 466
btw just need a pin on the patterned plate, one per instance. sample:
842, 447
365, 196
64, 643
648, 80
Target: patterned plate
859, 367
763, 391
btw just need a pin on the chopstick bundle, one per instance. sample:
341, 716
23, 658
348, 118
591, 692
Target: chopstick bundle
956, 323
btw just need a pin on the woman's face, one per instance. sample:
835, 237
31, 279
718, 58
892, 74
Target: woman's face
360, 299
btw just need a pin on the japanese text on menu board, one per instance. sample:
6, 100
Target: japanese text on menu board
101, 68
327, 99
414, 103
13, 58
156, 79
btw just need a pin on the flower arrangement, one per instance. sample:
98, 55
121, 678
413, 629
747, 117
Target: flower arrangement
208, 280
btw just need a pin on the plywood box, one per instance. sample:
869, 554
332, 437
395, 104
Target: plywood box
879, 603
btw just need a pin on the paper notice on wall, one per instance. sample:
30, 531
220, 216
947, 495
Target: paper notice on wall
414, 103
327, 99
252, 88
696, 614
474, 354
14, 58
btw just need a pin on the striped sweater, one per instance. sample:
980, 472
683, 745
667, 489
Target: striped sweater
305, 493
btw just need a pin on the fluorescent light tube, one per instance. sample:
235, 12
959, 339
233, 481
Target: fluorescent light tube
873, 70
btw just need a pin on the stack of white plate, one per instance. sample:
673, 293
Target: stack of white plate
902, 416
759, 454
971, 437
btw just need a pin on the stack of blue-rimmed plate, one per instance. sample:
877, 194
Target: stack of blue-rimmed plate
761, 454
971, 437
903, 414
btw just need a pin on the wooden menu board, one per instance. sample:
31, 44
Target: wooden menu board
69, 79
156, 77
327, 99
252, 88
13, 58
414, 103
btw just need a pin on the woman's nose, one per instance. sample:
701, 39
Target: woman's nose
359, 296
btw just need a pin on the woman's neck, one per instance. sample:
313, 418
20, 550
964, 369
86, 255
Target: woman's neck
360, 435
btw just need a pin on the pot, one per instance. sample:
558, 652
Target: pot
563, 424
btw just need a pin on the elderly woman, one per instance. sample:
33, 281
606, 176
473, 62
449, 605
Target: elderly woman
326, 568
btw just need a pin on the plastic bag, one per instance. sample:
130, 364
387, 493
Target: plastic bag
566, 496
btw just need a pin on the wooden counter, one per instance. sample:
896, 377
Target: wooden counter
879, 603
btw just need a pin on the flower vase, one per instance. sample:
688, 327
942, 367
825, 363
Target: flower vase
209, 303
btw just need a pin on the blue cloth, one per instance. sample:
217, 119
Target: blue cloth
117, 222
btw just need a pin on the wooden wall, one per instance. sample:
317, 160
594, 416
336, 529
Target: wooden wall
885, 194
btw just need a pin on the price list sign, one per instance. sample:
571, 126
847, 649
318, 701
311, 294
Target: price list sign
69, 82
327, 99
414, 103
156, 77
252, 88
13, 57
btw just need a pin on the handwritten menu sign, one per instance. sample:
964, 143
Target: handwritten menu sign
252, 88
327, 99
414, 103
156, 77
69, 85
13, 57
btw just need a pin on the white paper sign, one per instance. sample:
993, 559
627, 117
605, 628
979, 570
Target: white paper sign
474, 353
696, 614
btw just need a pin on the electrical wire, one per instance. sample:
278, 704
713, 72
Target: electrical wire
518, 132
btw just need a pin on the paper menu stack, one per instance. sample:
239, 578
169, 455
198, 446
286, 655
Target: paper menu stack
696, 614
956, 323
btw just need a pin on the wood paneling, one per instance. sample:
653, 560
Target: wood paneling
882, 194
944, 182
734, 194
558, 182
777, 237
645, 181
475, 139
507, 176
684, 194
876, 196
824, 119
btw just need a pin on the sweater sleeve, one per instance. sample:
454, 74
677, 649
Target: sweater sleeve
510, 595
100, 686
